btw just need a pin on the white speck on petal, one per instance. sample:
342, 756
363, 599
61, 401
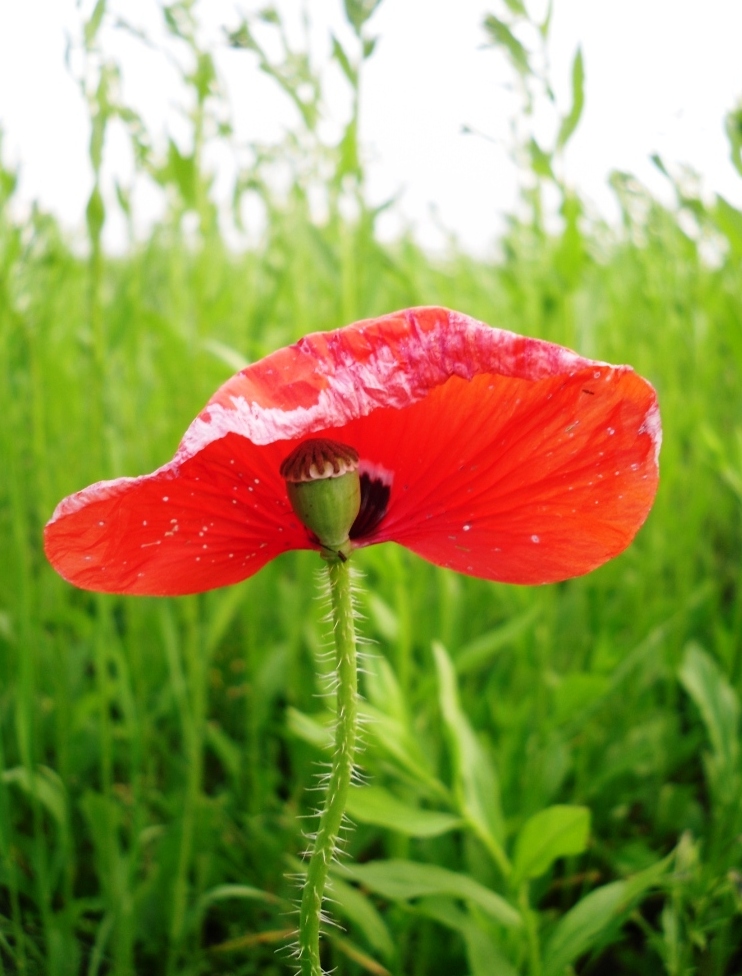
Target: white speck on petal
535, 538
165, 498
467, 527
101, 523
144, 522
611, 431
652, 425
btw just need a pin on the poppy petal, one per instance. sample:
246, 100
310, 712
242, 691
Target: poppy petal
206, 521
498, 455
514, 480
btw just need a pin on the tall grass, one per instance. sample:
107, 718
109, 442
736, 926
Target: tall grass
156, 755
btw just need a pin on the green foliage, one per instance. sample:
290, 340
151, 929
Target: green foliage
375, 805
549, 834
502, 35
405, 880
554, 773
572, 119
585, 925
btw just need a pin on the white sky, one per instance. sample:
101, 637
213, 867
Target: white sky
660, 75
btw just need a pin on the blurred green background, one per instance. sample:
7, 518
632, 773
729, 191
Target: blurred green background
553, 773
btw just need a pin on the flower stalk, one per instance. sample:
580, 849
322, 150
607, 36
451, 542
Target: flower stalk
341, 773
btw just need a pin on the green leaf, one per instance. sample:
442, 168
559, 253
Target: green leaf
237, 362
180, 171
224, 604
516, 7
585, 925
403, 880
393, 737
540, 160
480, 652
545, 26
477, 787
483, 956
242, 37
95, 214
306, 727
92, 26
356, 955
383, 617
359, 11
374, 805
551, 833
716, 701
503, 37
44, 785
338, 52
356, 907
729, 221
718, 704
571, 121
225, 748
369, 46
733, 125
229, 891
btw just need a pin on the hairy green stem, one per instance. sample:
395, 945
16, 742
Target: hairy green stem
341, 772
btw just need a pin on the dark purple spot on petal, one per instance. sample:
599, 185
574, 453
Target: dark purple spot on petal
374, 503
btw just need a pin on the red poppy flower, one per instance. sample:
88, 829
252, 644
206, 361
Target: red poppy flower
494, 454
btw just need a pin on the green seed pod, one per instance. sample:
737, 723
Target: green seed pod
324, 489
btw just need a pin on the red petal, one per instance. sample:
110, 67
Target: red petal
206, 521
518, 481
481, 428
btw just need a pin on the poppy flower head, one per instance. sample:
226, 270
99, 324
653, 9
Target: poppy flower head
324, 489
491, 453
318, 458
